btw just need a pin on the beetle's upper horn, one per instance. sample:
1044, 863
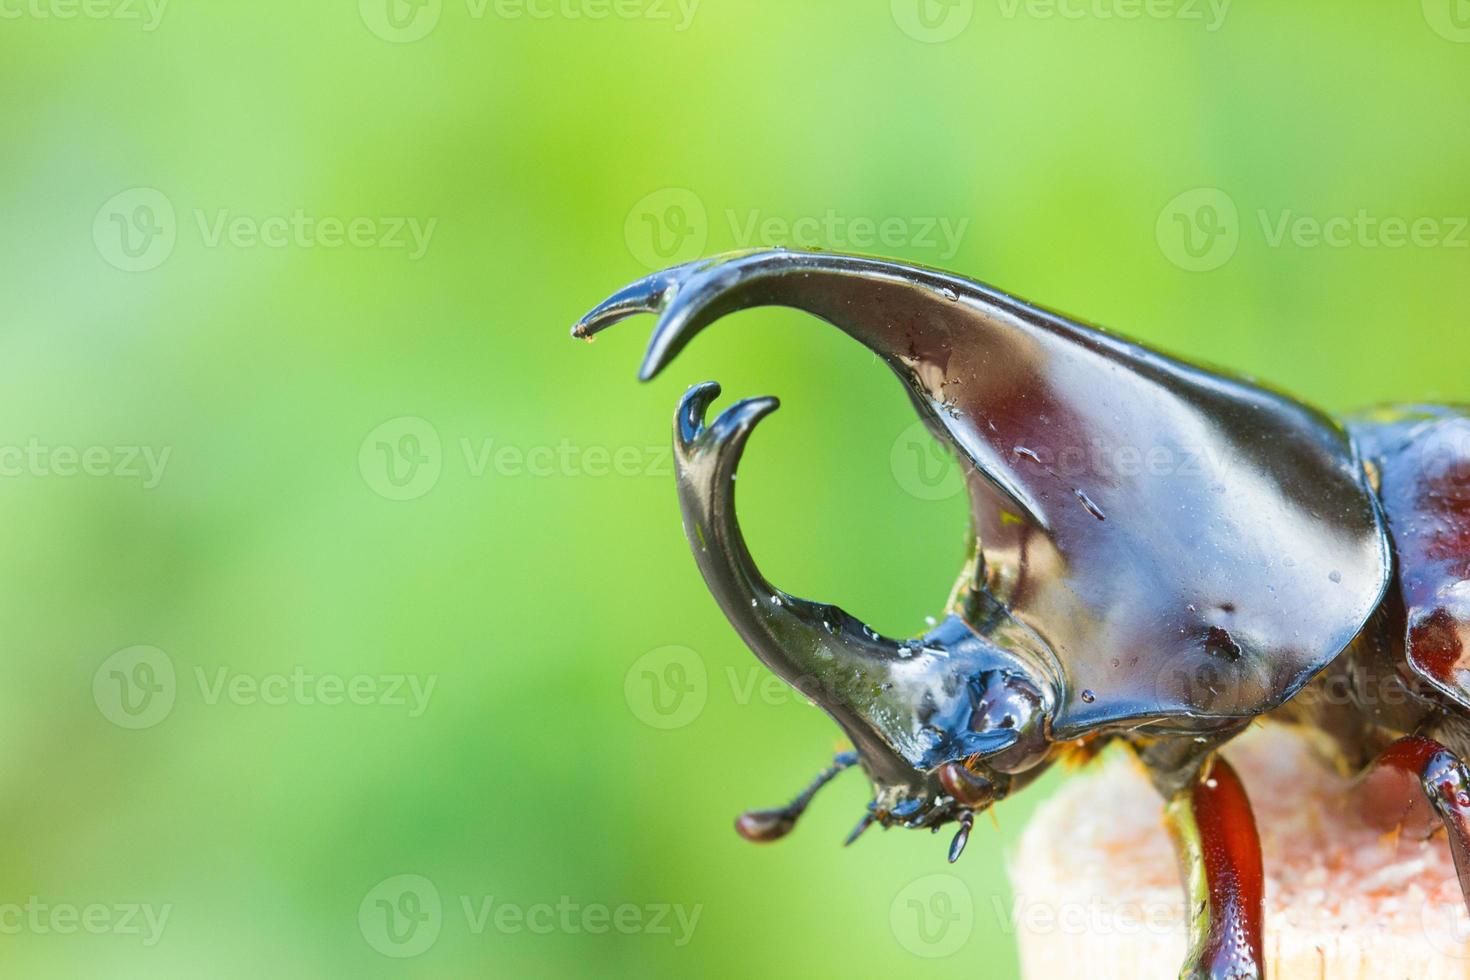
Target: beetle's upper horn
1130, 505
908, 315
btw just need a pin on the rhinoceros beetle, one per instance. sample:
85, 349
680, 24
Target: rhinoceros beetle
1162, 554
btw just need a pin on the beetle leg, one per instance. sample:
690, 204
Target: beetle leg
962, 836
856, 832
1214, 834
764, 826
1410, 770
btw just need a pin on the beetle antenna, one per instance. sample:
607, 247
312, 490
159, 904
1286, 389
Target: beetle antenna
763, 826
962, 836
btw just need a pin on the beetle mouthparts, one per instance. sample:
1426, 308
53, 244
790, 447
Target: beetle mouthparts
766, 826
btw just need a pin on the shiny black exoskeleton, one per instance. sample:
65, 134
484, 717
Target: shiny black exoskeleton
1161, 555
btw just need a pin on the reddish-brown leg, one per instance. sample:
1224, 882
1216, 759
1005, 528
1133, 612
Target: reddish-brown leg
1410, 773
1219, 853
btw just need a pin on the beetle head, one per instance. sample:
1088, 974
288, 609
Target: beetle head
959, 724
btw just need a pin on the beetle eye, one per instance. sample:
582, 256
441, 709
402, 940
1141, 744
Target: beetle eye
1009, 702
968, 788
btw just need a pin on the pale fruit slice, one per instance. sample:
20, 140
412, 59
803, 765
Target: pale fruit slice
1098, 895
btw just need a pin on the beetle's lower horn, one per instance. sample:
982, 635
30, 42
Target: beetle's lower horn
817, 648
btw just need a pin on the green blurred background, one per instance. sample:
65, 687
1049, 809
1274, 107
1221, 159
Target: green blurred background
387, 465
